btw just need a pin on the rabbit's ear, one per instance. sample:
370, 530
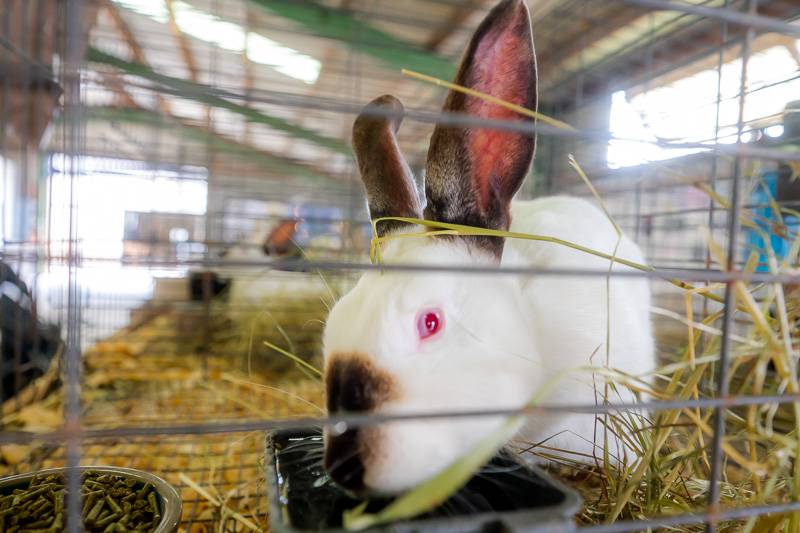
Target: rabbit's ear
386, 175
473, 173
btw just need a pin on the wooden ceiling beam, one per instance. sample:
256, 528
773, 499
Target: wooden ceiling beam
703, 41
459, 15
122, 27
217, 141
204, 94
340, 25
187, 55
137, 52
589, 33
681, 48
183, 43
113, 82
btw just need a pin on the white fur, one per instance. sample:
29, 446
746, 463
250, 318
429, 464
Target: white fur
505, 336
569, 315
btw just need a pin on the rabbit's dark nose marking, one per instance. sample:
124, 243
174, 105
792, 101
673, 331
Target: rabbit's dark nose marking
355, 385
343, 460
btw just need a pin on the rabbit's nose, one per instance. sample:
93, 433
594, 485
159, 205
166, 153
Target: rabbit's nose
353, 384
343, 460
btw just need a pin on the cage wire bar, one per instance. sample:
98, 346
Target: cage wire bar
73, 356
80, 431
734, 225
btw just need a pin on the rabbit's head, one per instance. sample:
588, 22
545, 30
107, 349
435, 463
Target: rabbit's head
415, 342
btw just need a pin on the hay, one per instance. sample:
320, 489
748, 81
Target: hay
761, 443
165, 370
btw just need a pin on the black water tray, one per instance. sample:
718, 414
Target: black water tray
508, 497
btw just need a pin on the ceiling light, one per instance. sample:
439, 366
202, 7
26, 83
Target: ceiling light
775, 130
155, 9
230, 36
282, 58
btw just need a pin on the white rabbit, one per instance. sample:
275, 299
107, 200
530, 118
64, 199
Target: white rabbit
416, 342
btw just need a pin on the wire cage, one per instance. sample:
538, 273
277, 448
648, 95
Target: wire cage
181, 209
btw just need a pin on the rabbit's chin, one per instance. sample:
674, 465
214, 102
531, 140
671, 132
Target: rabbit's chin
402, 455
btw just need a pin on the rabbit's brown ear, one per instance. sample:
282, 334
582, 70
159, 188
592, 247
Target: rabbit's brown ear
473, 173
386, 175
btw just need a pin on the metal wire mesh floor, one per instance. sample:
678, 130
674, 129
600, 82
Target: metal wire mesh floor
207, 470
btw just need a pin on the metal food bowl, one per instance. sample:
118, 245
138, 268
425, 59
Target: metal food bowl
168, 498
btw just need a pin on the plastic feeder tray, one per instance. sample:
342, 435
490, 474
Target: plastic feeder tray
507, 496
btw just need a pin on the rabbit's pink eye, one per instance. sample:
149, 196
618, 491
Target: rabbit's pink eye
429, 322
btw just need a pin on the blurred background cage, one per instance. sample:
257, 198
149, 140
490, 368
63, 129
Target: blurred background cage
180, 206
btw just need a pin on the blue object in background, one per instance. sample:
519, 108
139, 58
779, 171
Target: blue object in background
316, 220
768, 222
